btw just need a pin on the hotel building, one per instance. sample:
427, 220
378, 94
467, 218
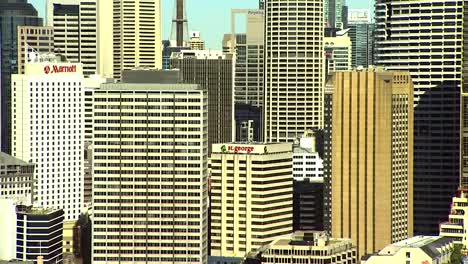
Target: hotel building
47, 123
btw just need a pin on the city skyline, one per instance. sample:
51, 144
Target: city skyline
211, 33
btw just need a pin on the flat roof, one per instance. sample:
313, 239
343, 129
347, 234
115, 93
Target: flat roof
149, 86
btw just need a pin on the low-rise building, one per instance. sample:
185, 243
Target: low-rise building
311, 247
458, 218
418, 249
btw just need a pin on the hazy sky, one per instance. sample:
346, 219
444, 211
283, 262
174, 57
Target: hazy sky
211, 17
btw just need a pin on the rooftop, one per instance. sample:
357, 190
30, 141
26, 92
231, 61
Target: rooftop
6, 159
428, 244
35, 210
149, 86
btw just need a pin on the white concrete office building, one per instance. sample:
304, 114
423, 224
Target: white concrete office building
150, 182
47, 130
294, 68
251, 196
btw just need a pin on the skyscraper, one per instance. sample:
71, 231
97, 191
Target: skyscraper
334, 13
75, 35
294, 68
435, 64
48, 131
196, 42
13, 13
212, 71
372, 176
251, 196
128, 36
361, 31
150, 179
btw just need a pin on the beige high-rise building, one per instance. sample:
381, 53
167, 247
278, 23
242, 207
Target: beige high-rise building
251, 196
338, 53
196, 42
74, 23
150, 182
294, 68
128, 36
31, 38
372, 163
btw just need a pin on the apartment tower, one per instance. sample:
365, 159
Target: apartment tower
74, 22
294, 68
150, 182
425, 38
128, 36
372, 175
251, 196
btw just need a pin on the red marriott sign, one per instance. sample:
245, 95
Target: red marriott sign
59, 69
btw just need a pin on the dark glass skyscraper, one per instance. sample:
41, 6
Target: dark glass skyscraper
426, 39
13, 13
362, 39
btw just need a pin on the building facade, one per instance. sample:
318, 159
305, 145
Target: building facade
294, 68
372, 176
334, 13
33, 39
418, 249
47, 130
196, 42
150, 182
13, 13
327, 155
126, 36
16, 179
39, 233
75, 35
251, 196
338, 53
308, 204
436, 67
309, 247
363, 43
212, 71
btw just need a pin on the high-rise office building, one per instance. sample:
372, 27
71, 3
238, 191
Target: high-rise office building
212, 71
248, 71
75, 35
47, 105
294, 68
17, 179
150, 182
372, 176
361, 31
251, 196
308, 204
33, 39
334, 15
13, 13
248, 49
435, 64
128, 36
337, 53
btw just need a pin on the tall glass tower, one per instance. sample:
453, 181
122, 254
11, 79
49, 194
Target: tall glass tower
13, 13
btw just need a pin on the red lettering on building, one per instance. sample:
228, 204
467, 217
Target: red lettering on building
59, 69
236, 149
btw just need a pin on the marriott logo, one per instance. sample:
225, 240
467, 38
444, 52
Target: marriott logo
59, 69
